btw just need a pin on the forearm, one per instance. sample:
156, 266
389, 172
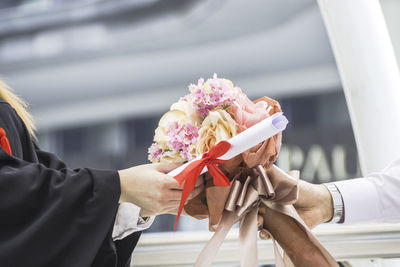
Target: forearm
293, 240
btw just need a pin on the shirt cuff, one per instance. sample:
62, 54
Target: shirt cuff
128, 221
359, 195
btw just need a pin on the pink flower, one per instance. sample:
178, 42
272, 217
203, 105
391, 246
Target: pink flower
213, 93
155, 151
247, 113
183, 139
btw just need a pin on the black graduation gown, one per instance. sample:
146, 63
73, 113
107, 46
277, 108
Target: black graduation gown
51, 215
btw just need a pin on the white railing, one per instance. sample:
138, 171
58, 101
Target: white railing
344, 242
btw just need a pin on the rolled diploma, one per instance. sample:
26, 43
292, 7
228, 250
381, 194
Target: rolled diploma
246, 139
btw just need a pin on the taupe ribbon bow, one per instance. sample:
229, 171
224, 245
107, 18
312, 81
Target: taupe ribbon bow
276, 190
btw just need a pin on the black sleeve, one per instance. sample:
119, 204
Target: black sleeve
49, 160
105, 257
52, 215
125, 248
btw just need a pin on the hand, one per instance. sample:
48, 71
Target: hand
291, 238
148, 187
314, 204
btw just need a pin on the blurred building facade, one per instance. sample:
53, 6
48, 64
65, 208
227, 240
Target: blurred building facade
98, 74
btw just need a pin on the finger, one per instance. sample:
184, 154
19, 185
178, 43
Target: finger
172, 195
199, 182
174, 211
264, 235
171, 183
166, 167
170, 206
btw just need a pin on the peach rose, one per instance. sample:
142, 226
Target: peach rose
246, 112
266, 152
217, 126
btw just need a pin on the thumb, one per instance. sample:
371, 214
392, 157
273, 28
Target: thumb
166, 167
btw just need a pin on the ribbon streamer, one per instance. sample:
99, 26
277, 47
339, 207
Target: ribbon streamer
246, 195
192, 172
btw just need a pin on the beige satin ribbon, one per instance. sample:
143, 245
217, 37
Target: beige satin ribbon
278, 191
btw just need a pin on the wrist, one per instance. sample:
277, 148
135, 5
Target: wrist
122, 182
325, 204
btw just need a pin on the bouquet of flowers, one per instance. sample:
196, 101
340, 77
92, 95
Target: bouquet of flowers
216, 127
214, 110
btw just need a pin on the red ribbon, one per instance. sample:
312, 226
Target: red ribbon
4, 142
190, 174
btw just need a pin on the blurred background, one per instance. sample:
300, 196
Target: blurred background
98, 74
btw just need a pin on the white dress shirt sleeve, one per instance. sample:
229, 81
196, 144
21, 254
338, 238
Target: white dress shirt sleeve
128, 221
374, 199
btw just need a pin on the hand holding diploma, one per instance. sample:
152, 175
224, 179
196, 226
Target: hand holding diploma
148, 187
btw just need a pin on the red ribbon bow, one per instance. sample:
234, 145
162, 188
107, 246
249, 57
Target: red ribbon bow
190, 174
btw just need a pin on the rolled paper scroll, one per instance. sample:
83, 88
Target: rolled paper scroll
188, 173
247, 139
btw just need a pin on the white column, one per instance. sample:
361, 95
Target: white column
370, 77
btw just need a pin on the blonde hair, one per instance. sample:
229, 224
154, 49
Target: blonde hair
19, 105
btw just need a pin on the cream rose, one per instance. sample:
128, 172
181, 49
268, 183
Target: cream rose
217, 126
160, 135
186, 107
181, 112
171, 157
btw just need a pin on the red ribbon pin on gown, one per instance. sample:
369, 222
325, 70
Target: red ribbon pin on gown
4, 141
